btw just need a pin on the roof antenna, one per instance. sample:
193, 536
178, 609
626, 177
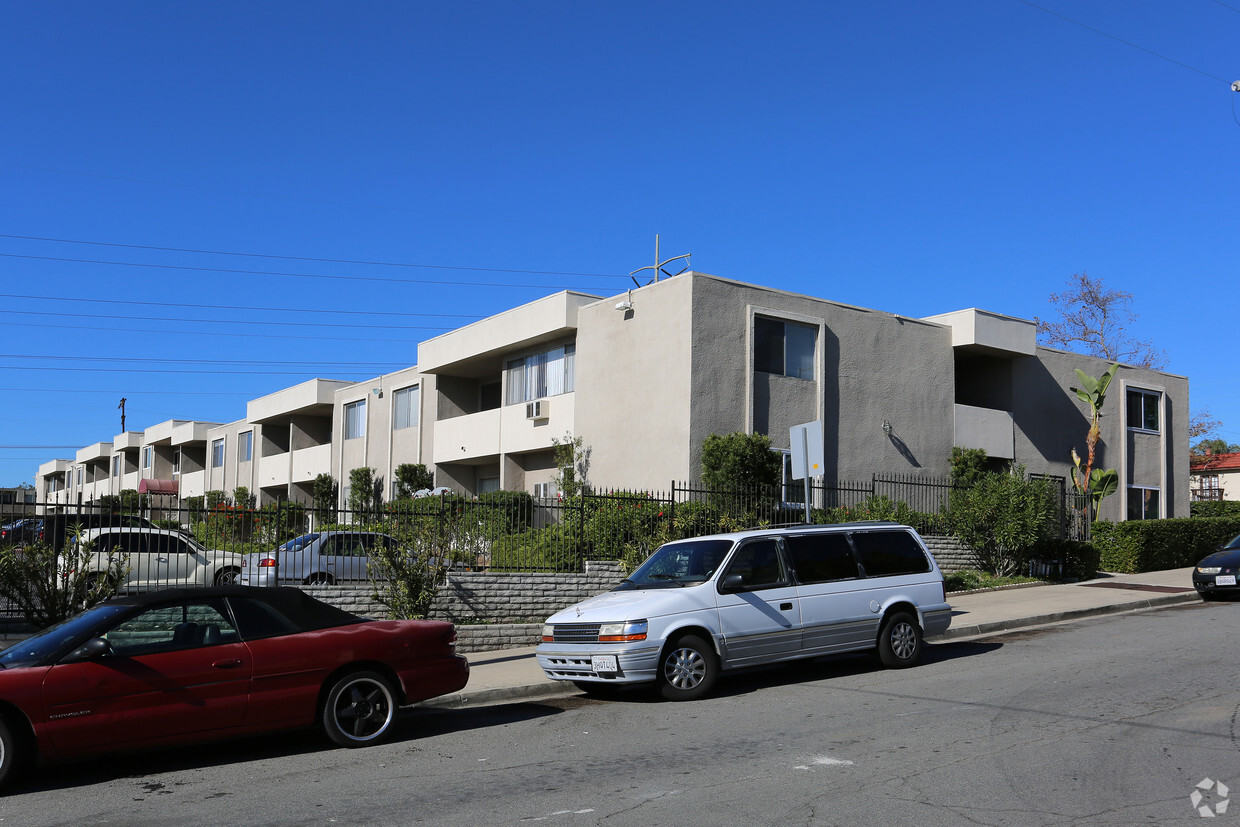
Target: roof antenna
658, 265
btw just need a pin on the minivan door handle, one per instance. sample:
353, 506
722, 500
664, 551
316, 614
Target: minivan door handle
785, 607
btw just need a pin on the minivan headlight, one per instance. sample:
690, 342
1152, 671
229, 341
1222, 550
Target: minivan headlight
622, 632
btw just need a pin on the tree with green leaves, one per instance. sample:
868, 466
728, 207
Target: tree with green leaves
740, 460
362, 497
411, 477
324, 490
1097, 483
572, 462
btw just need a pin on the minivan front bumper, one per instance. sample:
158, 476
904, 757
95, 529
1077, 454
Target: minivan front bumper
638, 663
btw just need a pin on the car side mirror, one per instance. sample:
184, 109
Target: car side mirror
732, 583
96, 647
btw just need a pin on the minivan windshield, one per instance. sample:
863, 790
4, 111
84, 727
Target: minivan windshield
682, 563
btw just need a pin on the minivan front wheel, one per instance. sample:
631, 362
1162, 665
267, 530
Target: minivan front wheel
688, 669
899, 643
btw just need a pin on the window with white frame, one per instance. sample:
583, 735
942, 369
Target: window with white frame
549, 373
355, 419
176, 462
148, 453
79, 474
405, 408
245, 446
217, 453
783, 348
1142, 503
116, 465
1143, 409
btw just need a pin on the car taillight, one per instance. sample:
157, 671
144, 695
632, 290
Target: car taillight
267, 563
449, 639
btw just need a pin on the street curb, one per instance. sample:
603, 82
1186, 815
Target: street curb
501, 694
547, 689
975, 630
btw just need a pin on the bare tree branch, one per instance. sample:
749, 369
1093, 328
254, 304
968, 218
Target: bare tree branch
1094, 320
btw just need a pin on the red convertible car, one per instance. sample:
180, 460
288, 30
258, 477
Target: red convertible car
186, 665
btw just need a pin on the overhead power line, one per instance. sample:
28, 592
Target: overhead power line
266, 362
330, 310
310, 258
220, 321
231, 334
192, 269
1181, 64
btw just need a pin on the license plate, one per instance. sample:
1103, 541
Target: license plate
604, 663
1225, 580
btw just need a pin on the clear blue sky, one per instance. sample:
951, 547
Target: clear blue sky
907, 156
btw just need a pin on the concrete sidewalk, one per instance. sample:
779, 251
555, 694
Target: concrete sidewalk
514, 675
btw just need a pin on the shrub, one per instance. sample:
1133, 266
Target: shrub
1154, 545
1214, 508
47, 587
407, 578
742, 460
1003, 517
878, 508
1079, 561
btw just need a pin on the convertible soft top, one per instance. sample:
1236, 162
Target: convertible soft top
303, 610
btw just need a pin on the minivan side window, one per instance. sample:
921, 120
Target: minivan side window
759, 565
820, 558
887, 553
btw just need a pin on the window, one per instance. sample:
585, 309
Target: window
783, 348
355, 419
79, 474
819, 558
759, 565
147, 453
544, 374
405, 408
217, 453
886, 553
1143, 410
176, 462
1142, 503
245, 446
116, 466
488, 484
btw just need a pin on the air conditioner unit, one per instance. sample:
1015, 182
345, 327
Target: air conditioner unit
537, 409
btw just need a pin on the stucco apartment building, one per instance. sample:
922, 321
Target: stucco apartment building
644, 377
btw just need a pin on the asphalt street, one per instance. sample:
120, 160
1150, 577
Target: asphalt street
1111, 720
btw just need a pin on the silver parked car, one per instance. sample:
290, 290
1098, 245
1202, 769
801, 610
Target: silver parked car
152, 558
323, 557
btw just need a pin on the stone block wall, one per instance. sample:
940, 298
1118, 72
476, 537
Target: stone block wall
950, 553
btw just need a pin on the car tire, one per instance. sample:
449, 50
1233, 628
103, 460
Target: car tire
360, 709
13, 753
688, 669
320, 579
899, 642
227, 577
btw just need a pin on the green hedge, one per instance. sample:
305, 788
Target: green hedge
1154, 545
1080, 560
1214, 508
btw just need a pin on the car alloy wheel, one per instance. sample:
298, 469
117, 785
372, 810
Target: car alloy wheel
360, 709
899, 643
688, 669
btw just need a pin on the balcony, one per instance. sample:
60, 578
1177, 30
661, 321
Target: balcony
505, 430
991, 430
308, 463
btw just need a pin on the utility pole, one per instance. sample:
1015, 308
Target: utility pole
122, 408
658, 265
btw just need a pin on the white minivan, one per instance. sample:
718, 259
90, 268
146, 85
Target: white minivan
707, 604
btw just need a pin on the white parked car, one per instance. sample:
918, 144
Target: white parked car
699, 606
154, 558
324, 558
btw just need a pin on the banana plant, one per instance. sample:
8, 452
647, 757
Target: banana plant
1088, 480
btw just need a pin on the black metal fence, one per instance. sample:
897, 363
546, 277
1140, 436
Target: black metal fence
502, 531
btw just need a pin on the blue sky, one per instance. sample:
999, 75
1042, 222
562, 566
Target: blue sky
395, 170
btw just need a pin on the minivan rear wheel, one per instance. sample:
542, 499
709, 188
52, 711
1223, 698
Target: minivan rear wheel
688, 669
899, 643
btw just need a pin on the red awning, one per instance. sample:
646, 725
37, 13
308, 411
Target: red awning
158, 487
